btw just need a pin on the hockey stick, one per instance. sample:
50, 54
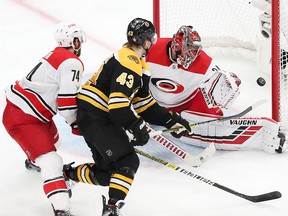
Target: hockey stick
256, 198
244, 112
192, 160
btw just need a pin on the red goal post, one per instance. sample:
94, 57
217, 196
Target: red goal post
236, 23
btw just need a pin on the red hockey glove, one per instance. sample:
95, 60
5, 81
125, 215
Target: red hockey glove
75, 129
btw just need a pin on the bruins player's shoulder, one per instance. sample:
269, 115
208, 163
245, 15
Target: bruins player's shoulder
129, 59
145, 66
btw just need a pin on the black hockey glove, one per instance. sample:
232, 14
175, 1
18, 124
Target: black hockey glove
139, 131
176, 120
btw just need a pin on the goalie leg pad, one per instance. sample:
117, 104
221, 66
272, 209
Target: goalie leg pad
272, 140
235, 134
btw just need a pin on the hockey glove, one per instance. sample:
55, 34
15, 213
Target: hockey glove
139, 131
75, 129
220, 89
177, 121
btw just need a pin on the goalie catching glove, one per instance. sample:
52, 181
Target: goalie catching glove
139, 131
220, 89
176, 121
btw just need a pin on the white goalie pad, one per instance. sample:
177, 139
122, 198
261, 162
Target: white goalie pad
236, 134
220, 89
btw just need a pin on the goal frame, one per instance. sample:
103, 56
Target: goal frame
275, 60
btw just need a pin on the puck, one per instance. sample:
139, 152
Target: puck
261, 81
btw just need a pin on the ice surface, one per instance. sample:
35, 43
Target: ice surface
26, 35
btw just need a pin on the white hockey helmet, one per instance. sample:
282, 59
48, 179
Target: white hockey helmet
66, 32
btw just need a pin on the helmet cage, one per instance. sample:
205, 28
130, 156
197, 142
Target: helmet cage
187, 45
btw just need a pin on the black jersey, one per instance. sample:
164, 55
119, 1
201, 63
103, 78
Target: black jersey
120, 88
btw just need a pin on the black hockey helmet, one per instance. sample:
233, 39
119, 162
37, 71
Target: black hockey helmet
140, 29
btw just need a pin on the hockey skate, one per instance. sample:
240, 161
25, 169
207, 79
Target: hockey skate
70, 184
31, 166
283, 144
67, 169
62, 213
112, 210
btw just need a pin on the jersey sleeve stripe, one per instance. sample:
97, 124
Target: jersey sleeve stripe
66, 102
118, 105
95, 91
142, 104
92, 101
118, 100
118, 94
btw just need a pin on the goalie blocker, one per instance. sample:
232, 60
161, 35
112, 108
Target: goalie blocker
236, 134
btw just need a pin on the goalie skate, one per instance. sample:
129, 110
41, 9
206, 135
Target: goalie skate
283, 144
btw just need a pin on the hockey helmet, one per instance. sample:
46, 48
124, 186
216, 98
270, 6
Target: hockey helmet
66, 32
187, 45
140, 29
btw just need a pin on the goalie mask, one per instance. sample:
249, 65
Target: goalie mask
186, 44
67, 32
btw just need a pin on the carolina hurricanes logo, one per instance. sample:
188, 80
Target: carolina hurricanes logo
167, 85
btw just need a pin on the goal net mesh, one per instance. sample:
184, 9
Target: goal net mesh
233, 25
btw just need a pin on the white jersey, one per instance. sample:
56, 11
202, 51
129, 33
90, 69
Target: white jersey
178, 89
50, 87
171, 84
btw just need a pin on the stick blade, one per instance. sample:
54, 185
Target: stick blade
205, 155
259, 103
265, 197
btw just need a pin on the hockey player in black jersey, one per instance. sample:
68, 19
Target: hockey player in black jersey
114, 102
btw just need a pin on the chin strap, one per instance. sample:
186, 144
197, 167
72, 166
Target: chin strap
77, 51
146, 50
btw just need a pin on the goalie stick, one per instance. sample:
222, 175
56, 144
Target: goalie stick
244, 112
254, 198
192, 160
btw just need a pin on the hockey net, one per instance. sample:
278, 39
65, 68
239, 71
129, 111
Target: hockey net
235, 25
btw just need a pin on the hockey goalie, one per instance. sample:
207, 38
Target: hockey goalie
186, 80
